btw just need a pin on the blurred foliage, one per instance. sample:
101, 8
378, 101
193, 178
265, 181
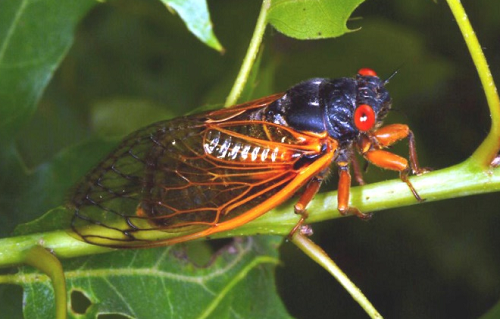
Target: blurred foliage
427, 261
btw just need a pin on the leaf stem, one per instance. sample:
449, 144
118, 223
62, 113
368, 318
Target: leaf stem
46, 262
253, 50
9, 279
13, 249
318, 255
491, 145
453, 182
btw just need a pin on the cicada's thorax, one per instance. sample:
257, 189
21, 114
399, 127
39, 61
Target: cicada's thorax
331, 105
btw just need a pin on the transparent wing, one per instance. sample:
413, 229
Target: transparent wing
186, 176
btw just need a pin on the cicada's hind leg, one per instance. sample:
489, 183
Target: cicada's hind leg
311, 189
384, 137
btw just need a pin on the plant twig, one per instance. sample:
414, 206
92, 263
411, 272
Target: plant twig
43, 260
253, 50
318, 255
489, 148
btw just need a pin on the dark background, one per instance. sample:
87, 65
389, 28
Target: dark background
432, 260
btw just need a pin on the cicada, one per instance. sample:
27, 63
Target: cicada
191, 177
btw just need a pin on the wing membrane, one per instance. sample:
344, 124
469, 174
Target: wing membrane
187, 176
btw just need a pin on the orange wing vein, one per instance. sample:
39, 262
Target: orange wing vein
190, 177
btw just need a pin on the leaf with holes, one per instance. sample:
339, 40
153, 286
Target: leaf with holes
165, 283
311, 19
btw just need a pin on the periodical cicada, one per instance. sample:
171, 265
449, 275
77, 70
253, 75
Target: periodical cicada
190, 177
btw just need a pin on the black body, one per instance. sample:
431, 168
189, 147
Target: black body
320, 105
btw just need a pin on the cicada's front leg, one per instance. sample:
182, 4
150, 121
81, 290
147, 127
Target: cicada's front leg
372, 149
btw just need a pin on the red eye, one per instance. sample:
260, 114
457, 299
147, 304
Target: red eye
364, 117
367, 72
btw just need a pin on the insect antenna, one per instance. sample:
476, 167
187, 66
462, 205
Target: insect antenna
393, 74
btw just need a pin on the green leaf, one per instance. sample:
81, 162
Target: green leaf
493, 313
311, 19
47, 186
165, 283
197, 18
55, 219
34, 37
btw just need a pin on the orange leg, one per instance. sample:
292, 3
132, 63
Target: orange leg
343, 194
393, 162
390, 134
300, 207
385, 137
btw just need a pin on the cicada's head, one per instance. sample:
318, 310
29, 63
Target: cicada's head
355, 106
343, 107
373, 101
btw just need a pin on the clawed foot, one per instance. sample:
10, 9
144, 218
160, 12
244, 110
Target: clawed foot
422, 171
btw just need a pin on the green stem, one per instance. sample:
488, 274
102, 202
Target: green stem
253, 50
318, 255
9, 279
457, 181
491, 145
460, 180
44, 261
13, 249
